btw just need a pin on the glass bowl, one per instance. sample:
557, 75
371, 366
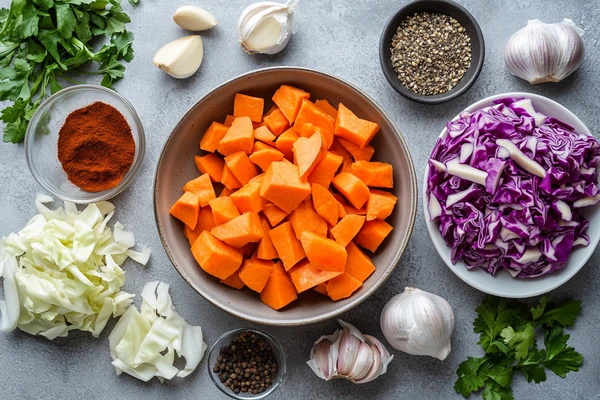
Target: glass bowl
224, 340
41, 141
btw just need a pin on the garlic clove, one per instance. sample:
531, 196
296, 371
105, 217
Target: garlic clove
376, 367
349, 346
363, 363
266, 27
194, 18
181, 58
322, 359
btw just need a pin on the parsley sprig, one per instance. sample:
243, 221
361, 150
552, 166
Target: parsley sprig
42, 41
507, 335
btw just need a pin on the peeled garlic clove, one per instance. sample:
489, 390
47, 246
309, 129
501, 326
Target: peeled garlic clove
194, 18
419, 323
542, 52
181, 58
266, 27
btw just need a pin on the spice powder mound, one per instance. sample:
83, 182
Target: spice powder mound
96, 147
431, 52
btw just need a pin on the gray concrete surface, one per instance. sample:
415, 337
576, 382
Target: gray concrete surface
339, 37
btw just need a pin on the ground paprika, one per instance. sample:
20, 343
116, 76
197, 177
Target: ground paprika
96, 147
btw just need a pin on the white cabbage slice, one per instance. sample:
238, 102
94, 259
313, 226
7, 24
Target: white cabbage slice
62, 272
144, 345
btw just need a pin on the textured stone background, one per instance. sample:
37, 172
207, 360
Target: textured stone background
339, 37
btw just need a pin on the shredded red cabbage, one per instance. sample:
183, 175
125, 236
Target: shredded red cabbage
512, 207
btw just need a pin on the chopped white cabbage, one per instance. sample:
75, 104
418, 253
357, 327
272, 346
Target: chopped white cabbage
144, 345
62, 271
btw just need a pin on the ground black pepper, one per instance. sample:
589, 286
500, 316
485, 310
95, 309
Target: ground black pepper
431, 53
247, 365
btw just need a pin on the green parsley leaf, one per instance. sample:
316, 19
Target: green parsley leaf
469, 377
493, 391
548, 314
560, 359
519, 341
501, 375
532, 368
494, 314
13, 79
65, 20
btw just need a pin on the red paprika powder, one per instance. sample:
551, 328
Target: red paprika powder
96, 147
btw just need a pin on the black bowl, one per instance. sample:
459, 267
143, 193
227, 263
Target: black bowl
433, 6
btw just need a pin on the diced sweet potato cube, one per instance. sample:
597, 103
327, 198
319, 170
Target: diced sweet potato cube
215, 257
266, 250
264, 158
263, 134
380, 205
342, 286
213, 136
229, 180
205, 223
325, 169
248, 106
186, 209
279, 290
248, 198
321, 288
282, 186
276, 122
210, 164
289, 99
307, 153
352, 188
347, 228
285, 141
287, 245
240, 230
233, 280
346, 166
323, 253
223, 210
239, 137
274, 214
228, 120
255, 273
203, 188
356, 130
328, 108
310, 113
358, 264
357, 153
374, 173
241, 167
325, 204
305, 276
372, 234
304, 218
340, 150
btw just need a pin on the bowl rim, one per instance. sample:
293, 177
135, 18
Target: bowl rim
129, 176
391, 77
441, 247
281, 363
321, 317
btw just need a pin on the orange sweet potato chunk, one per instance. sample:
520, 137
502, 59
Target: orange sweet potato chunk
276, 121
210, 164
340, 150
358, 264
274, 214
213, 136
305, 276
358, 154
241, 167
321, 288
285, 141
202, 187
215, 257
356, 130
327, 107
248, 198
266, 250
304, 218
229, 180
346, 166
380, 205
307, 153
240, 230
310, 113
282, 186
186, 209
205, 223
228, 120
263, 134
325, 169
239, 137
263, 158
325, 204
342, 286
372, 234
378, 174
248, 106
352, 188
223, 210
255, 273
279, 290
289, 249
347, 228
323, 253
289, 99
233, 280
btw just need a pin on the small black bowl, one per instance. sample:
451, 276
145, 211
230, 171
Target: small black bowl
433, 6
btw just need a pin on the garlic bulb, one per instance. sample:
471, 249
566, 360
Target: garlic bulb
181, 58
266, 27
542, 52
419, 323
194, 18
350, 355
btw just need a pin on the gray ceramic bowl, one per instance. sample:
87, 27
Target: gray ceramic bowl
176, 166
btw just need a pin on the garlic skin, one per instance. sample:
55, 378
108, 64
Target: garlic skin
266, 27
419, 323
542, 52
181, 58
350, 355
194, 18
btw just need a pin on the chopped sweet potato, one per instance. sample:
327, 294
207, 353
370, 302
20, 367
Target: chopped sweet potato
213, 136
279, 290
307, 153
233, 280
274, 214
285, 141
263, 134
325, 204
372, 234
215, 257
202, 187
186, 209
340, 150
248, 106
240, 230
374, 173
342, 286
305, 276
352, 188
205, 223
347, 228
354, 129
380, 205
358, 264
266, 250
310, 113
255, 273
325, 169
289, 248
276, 121
289, 99
210, 164
357, 153
241, 167
282, 186
304, 218
239, 137
229, 180
263, 158
248, 198
321, 288
328, 108
228, 120
323, 253
223, 210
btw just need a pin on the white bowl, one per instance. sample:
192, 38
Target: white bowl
503, 284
